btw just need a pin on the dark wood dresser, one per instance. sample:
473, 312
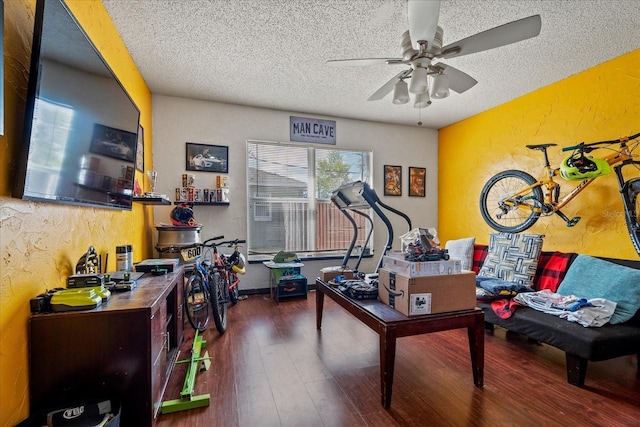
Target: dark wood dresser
124, 349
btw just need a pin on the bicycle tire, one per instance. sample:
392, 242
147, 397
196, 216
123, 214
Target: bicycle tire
219, 301
234, 292
196, 302
633, 224
515, 219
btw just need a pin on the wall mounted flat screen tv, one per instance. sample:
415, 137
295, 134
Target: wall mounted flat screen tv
81, 126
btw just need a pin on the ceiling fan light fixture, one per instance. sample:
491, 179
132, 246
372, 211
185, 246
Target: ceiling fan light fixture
419, 82
422, 100
400, 93
440, 88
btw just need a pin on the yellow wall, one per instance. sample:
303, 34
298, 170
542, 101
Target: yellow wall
39, 242
600, 103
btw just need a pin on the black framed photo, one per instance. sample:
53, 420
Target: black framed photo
140, 150
392, 180
207, 158
112, 142
417, 181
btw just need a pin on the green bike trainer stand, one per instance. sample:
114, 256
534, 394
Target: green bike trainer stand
187, 399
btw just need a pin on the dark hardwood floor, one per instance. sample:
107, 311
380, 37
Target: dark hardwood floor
273, 368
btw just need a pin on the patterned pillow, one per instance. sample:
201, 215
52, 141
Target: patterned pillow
512, 257
462, 249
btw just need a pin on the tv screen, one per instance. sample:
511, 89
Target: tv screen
81, 126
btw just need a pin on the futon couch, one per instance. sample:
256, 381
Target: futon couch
580, 344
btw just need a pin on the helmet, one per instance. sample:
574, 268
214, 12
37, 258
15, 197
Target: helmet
238, 262
182, 215
284, 257
575, 168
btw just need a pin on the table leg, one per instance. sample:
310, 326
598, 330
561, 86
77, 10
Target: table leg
476, 348
271, 284
319, 307
387, 363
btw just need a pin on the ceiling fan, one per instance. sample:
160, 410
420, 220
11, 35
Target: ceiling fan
422, 43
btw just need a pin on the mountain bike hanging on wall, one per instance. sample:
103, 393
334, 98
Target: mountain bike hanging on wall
214, 279
512, 201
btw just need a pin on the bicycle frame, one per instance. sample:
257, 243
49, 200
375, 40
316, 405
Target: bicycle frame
231, 276
220, 264
198, 266
234, 280
618, 159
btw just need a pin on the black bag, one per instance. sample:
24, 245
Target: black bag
358, 289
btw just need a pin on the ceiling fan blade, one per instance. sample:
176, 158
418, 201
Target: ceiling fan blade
503, 35
423, 20
388, 86
459, 81
361, 62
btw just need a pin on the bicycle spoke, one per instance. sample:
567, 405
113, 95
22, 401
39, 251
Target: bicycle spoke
219, 301
633, 223
196, 302
502, 205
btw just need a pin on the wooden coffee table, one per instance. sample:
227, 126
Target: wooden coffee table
391, 324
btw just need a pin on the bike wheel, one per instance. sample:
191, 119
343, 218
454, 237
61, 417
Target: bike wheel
234, 291
196, 302
219, 301
633, 223
502, 187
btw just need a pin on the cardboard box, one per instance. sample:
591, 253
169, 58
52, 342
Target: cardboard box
329, 273
425, 268
414, 296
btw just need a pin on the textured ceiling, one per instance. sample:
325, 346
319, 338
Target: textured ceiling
272, 53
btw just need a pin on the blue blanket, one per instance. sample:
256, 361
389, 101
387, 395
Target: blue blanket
589, 277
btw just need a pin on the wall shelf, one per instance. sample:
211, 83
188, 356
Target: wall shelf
152, 200
203, 203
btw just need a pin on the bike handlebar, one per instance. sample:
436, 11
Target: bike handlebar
587, 148
231, 243
228, 242
211, 239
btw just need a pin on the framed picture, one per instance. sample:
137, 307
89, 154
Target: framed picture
113, 142
392, 180
207, 158
140, 150
417, 181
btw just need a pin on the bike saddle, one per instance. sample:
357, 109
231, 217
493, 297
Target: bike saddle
540, 147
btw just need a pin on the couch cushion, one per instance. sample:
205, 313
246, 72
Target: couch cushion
593, 344
512, 257
590, 277
462, 249
479, 254
552, 267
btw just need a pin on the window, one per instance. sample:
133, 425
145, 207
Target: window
54, 120
289, 199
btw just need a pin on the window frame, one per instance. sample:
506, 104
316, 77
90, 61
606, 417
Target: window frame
312, 199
